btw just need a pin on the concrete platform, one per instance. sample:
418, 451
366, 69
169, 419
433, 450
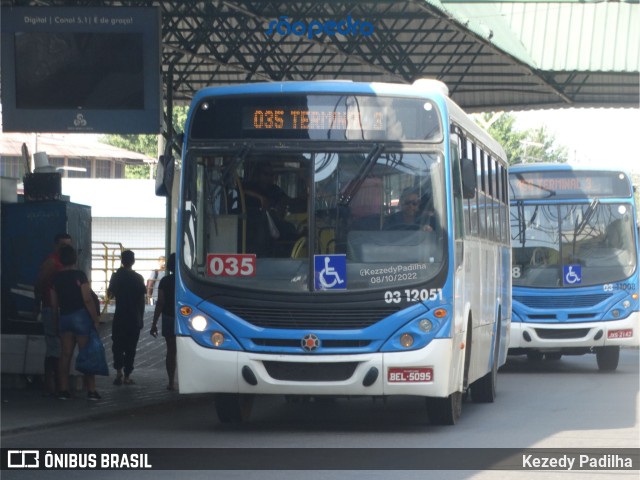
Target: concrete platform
24, 407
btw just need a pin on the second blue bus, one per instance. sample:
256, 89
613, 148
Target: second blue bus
575, 262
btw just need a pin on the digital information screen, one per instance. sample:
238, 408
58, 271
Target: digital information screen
84, 69
568, 184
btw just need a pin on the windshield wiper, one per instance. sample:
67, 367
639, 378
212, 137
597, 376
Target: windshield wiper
586, 218
365, 168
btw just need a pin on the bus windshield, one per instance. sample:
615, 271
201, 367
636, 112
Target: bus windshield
573, 244
262, 220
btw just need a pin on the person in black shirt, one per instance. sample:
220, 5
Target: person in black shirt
74, 307
129, 290
166, 306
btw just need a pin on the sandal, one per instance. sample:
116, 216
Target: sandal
128, 381
118, 380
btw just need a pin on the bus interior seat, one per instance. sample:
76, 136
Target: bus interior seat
300, 249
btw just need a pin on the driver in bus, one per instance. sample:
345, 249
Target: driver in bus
411, 216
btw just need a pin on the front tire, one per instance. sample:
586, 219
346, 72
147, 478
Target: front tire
483, 390
445, 411
607, 358
233, 407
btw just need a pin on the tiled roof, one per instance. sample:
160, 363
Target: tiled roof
67, 145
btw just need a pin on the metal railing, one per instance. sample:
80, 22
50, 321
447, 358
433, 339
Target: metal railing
105, 259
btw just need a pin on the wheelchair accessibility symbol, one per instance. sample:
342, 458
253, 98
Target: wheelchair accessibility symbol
330, 272
572, 274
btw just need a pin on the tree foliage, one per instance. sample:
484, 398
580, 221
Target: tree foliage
144, 144
530, 145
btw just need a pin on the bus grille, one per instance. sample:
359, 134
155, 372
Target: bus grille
295, 343
310, 372
562, 301
325, 319
564, 333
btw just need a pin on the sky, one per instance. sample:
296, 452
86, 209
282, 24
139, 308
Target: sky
593, 136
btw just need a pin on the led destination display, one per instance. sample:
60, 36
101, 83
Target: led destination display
317, 117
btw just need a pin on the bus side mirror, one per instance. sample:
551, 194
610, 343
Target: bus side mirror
468, 178
164, 175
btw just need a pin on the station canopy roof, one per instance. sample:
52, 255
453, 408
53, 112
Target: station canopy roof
492, 55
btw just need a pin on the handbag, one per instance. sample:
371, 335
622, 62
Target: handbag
92, 359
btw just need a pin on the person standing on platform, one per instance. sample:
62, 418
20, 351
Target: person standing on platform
128, 288
76, 314
42, 306
154, 281
166, 307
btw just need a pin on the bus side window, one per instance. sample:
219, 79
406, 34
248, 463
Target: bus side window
457, 189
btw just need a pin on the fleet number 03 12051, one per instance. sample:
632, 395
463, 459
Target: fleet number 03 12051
412, 295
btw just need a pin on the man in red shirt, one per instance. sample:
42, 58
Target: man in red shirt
44, 283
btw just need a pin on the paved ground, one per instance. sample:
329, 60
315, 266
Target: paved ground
25, 407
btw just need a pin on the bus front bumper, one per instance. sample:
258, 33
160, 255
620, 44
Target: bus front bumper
424, 372
554, 336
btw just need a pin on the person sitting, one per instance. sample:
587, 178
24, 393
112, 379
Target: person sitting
411, 216
261, 191
408, 217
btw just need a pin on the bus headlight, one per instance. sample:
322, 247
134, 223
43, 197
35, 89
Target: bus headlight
425, 325
217, 338
626, 304
406, 340
199, 323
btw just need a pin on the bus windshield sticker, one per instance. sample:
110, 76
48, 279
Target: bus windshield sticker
221, 265
572, 274
393, 274
330, 272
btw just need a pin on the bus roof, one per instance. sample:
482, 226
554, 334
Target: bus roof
425, 88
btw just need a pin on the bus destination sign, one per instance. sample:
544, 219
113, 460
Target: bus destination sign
568, 184
300, 118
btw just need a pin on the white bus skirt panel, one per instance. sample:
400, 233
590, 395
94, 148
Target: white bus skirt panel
632, 322
207, 370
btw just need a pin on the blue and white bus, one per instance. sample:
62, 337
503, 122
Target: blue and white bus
575, 262
340, 239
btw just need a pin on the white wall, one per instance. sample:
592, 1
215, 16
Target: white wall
145, 236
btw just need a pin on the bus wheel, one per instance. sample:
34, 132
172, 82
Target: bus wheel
445, 411
483, 390
552, 356
535, 356
233, 407
607, 358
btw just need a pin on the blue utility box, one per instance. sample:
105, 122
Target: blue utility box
27, 235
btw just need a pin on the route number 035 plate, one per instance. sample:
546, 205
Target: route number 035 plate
409, 374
